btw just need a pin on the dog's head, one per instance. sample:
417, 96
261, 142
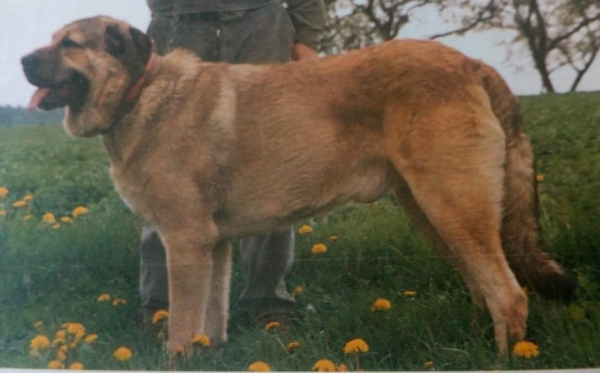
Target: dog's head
88, 67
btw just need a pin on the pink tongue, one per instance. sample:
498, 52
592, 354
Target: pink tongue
37, 97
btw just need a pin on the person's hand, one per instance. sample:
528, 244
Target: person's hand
301, 52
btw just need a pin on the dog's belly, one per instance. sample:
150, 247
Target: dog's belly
276, 209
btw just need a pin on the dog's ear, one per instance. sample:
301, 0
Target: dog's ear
142, 43
114, 41
133, 48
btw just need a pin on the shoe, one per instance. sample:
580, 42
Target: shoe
264, 311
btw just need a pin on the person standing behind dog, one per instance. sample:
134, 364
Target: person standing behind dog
234, 31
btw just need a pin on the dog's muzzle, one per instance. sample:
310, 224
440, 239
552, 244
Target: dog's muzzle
57, 87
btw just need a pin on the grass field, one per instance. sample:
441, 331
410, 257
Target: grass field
55, 274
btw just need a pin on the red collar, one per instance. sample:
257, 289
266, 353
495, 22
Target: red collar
149, 72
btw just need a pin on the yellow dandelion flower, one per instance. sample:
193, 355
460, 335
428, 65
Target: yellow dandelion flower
341, 368
56, 226
381, 304
3, 192
333, 238
410, 293
28, 198
539, 178
56, 342
61, 338
40, 342
259, 366
324, 365
49, 218
76, 328
355, 346
79, 210
293, 346
66, 219
122, 354
428, 364
201, 339
119, 302
19, 203
55, 364
104, 297
38, 324
91, 338
297, 290
61, 354
76, 365
272, 325
159, 315
27, 217
319, 248
305, 229
526, 350
2, 213
161, 335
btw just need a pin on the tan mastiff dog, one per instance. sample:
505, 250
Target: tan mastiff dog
208, 152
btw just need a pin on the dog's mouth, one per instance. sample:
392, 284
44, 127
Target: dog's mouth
72, 91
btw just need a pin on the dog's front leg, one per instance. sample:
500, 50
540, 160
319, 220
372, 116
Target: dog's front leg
189, 250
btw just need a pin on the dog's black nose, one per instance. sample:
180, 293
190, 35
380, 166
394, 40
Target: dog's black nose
30, 61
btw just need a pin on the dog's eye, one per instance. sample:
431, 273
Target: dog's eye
68, 43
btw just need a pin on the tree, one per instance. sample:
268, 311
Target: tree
358, 23
558, 33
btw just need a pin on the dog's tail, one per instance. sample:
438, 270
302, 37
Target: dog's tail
521, 231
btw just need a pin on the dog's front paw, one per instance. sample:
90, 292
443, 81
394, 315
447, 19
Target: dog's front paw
177, 347
213, 344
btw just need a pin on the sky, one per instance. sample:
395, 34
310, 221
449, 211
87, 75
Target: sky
29, 24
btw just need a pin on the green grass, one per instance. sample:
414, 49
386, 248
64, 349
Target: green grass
56, 275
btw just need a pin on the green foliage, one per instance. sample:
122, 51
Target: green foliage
18, 116
566, 140
61, 172
56, 275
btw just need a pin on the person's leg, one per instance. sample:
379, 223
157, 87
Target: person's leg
258, 36
266, 259
154, 288
263, 35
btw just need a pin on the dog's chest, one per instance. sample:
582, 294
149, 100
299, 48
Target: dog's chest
128, 191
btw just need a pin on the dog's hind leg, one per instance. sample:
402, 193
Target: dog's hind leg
411, 208
452, 161
215, 325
